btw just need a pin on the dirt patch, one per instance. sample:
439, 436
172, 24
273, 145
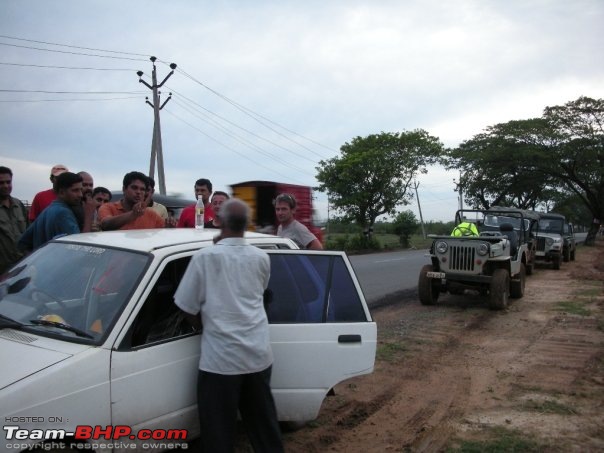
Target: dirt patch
457, 375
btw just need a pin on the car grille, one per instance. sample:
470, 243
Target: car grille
461, 258
541, 244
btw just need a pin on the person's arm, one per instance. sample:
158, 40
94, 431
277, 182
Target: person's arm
115, 222
89, 206
314, 245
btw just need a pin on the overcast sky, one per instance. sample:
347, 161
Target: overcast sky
318, 72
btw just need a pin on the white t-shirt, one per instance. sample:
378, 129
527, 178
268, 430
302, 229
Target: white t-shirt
226, 283
297, 233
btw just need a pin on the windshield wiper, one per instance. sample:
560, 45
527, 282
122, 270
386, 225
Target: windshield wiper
60, 325
5, 321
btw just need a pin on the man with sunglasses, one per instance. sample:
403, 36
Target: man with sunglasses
289, 227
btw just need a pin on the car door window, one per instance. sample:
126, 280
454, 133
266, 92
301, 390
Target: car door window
160, 319
312, 289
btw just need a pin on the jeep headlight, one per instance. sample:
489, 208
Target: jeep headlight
549, 241
441, 247
483, 249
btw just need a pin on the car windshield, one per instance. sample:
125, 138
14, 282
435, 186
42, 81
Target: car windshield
492, 220
550, 225
70, 290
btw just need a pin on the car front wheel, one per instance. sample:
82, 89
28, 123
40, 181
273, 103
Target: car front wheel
428, 288
499, 289
517, 284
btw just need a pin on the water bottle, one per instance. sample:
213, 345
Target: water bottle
199, 212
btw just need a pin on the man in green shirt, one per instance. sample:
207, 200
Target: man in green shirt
13, 221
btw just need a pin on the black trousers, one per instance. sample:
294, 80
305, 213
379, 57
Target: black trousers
219, 397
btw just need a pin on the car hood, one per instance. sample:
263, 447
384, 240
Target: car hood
549, 235
22, 355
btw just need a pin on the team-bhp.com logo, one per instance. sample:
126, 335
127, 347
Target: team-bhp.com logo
94, 434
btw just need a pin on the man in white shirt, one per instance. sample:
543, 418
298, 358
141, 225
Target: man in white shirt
224, 285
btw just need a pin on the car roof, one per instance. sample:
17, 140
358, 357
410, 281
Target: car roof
551, 215
534, 215
153, 239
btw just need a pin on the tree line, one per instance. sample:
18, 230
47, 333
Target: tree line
551, 163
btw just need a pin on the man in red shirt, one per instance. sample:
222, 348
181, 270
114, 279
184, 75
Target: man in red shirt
131, 212
203, 188
44, 198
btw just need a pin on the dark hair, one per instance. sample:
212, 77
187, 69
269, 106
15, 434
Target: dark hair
234, 214
133, 176
220, 192
65, 180
286, 198
204, 182
5, 171
150, 182
101, 189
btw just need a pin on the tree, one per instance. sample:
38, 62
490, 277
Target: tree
498, 166
405, 224
373, 174
577, 160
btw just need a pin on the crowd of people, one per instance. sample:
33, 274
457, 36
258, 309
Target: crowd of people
74, 204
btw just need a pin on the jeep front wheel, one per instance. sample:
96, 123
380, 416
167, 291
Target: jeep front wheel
566, 254
428, 288
499, 289
557, 261
517, 284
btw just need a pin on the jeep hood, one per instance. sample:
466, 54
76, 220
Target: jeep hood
20, 360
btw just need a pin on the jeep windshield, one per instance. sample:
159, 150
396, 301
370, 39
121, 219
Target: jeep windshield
71, 291
493, 220
551, 225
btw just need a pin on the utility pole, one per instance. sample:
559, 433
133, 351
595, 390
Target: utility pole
419, 206
156, 146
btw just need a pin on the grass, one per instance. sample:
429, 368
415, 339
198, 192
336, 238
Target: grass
547, 407
573, 308
501, 440
390, 351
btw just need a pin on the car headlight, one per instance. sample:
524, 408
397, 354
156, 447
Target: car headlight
549, 241
483, 249
441, 246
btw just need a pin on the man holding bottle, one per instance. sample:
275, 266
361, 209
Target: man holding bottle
203, 189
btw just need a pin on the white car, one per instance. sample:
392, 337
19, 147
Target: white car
91, 342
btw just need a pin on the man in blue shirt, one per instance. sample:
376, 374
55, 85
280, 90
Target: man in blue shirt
57, 219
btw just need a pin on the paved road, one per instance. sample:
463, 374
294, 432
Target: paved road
381, 274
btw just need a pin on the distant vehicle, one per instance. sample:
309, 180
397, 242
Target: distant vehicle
555, 239
493, 262
90, 336
174, 205
260, 196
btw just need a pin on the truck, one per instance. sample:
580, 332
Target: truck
260, 196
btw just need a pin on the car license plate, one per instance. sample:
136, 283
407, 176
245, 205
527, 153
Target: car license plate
435, 274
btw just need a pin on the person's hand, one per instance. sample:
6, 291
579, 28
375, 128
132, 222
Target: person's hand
171, 222
89, 205
139, 208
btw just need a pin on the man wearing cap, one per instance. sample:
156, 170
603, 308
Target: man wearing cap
44, 198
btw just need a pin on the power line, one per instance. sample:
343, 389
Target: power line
246, 130
65, 67
240, 139
70, 100
272, 170
71, 92
70, 46
256, 116
71, 53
